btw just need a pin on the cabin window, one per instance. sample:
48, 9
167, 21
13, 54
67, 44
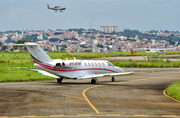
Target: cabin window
89, 64
110, 64
99, 64
92, 64
95, 64
85, 64
103, 64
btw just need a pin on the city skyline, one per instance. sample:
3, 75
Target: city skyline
143, 15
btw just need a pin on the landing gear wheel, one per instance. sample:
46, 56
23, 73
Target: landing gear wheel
113, 79
93, 81
59, 80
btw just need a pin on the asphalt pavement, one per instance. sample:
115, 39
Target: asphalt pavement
137, 95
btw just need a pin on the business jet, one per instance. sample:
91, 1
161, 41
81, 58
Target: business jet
71, 69
160, 51
56, 8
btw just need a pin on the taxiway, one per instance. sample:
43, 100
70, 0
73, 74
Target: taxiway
138, 95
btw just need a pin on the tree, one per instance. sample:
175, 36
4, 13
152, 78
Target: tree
33, 37
99, 45
93, 37
65, 39
0, 44
74, 38
58, 33
101, 36
113, 32
47, 34
44, 37
9, 40
4, 48
63, 47
59, 30
20, 42
79, 31
54, 39
166, 31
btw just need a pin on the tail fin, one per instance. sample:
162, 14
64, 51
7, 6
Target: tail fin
48, 6
37, 53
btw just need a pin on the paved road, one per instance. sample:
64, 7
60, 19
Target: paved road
140, 58
137, 95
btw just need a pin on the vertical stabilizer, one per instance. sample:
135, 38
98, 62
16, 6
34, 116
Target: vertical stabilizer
48, 6
37, 53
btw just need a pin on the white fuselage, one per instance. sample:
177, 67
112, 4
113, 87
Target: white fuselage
161, 51
75, 69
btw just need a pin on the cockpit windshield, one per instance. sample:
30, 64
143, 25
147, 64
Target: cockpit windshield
110, 64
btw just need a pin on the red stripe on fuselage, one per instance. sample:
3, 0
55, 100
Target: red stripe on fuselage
63, 69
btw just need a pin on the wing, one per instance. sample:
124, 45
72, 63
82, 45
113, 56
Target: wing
44, 73
101, 75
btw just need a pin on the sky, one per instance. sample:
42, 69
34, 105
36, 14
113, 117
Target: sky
142, 15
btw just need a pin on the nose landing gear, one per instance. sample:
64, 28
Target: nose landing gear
112, 78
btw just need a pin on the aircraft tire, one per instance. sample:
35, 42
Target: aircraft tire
113, 79
59, 80
93, 81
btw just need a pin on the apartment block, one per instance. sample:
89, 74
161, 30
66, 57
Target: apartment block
108, 28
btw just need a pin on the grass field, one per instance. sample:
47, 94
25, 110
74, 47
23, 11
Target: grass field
23, 59
174, 90
17, 75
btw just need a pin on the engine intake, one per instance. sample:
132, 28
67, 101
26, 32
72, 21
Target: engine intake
58, 64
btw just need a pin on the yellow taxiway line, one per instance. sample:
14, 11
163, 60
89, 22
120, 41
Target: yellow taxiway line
88, 99
164, 92
115, 83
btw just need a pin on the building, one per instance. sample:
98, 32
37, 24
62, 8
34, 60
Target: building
108, 28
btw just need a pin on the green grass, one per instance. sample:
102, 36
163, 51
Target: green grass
17, 75
91, 55
23, 59
159, 64
15, 59
174, 90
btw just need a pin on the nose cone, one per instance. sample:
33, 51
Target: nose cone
119, 70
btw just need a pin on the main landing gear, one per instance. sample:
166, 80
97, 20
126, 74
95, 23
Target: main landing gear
93, 81
59, 80
112, 78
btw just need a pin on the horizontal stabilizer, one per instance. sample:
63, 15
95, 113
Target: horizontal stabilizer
26, 43
44, 73
121, 73
101, 75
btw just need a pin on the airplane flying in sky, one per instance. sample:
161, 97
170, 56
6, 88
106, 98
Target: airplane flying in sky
160, 51
56, 8
71, 69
